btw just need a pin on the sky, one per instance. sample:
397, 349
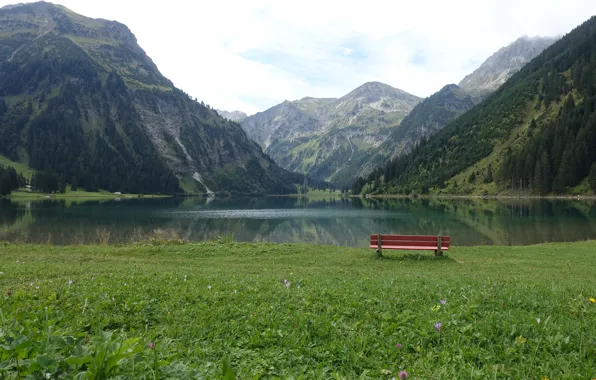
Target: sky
250, 55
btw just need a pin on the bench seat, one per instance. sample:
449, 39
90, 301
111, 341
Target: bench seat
437, 243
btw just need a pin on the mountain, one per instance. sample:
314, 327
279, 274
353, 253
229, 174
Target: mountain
236, 116
503, 64
441, 108
81, 101
535, 135
319, 136
427, 118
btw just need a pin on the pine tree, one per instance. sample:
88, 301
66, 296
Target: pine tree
489, 174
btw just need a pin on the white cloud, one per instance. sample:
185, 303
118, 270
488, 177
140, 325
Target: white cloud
250, 55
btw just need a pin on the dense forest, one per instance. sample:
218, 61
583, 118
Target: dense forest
556, 152
10, 180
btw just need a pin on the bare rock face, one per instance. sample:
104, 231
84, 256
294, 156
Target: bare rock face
321, 136
236, 116
426, 119
503, 64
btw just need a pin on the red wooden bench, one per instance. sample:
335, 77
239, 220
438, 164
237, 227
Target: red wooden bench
410, 243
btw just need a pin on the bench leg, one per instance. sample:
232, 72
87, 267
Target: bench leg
379, 247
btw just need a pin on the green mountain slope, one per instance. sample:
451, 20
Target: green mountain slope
81, 100
537, 133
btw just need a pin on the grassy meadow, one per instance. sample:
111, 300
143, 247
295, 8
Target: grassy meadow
264, 311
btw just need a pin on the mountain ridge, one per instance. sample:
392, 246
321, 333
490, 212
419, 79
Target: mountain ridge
317, 135
502, 64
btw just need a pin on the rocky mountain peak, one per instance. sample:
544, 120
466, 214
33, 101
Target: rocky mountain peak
503, 64
236, 116
46, 17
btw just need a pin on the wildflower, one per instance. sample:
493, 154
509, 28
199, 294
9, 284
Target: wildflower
1, 273
287, 283
151, 345
48, 375
538, 320
398, 345
209, 287
235, 291
403, 375
443, 302
184, 278
438, 326
69, 282
592, 300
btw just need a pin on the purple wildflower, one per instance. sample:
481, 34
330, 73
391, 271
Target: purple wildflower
398, 345
443, 302
438, 326
403, 375
151, 345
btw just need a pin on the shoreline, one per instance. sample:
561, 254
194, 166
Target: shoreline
484, 197
25, 195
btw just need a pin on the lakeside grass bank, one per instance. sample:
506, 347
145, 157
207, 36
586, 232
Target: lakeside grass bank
27, 195
187, 310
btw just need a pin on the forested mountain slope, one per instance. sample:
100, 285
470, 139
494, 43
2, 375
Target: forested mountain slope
80, 100
537, 133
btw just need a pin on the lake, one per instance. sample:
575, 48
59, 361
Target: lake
334, 221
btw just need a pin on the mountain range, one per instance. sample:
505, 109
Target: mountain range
535, 135
318, 136
340, 139
81, 101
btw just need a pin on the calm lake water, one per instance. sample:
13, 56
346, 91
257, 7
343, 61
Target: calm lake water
296, 220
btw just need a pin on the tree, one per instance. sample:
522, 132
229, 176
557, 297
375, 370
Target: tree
592, 177
489, 174
472, 177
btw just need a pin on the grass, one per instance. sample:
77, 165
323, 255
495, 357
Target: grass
205, 310
18, 166
79, 194
314, 194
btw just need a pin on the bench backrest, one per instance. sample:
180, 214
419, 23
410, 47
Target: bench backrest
410, 241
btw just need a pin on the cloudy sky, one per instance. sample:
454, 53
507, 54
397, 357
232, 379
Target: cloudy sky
252, 54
